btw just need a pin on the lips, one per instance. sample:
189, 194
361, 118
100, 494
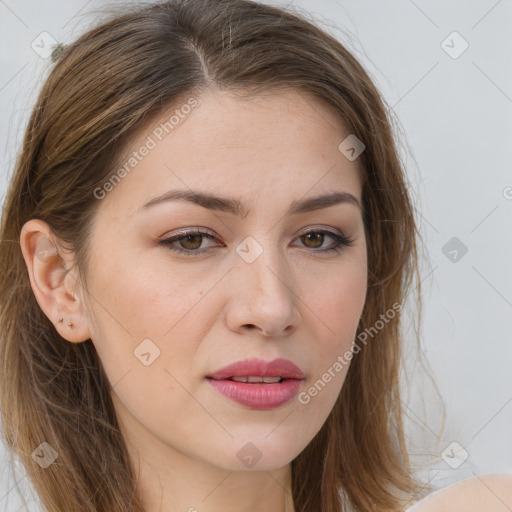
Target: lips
258, 384
259, 368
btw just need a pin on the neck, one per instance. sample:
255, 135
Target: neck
196, 487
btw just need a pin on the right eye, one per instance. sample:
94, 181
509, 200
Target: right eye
189, 242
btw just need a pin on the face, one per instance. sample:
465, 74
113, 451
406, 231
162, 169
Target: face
183, 287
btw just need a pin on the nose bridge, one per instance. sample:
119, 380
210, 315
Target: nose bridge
264, 294
264, 264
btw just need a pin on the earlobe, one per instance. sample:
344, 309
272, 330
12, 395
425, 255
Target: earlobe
51, 281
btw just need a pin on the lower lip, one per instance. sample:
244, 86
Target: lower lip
258, 396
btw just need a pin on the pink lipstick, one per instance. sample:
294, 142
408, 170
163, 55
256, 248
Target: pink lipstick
258, 384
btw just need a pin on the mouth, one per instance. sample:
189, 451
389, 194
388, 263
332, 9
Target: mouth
258, 369
258, 384
256, 380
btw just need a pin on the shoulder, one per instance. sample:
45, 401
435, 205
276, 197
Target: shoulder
487, 493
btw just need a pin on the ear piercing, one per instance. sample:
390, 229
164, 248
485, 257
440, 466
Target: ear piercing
70, 324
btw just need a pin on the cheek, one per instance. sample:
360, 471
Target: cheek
337, 310
339, 302
134, 302
139, 297
146, 339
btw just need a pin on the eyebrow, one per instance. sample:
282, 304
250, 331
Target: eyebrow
237, 207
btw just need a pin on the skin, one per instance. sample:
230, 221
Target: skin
204, 312
489, 493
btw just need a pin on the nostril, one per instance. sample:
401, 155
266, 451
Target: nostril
251, 329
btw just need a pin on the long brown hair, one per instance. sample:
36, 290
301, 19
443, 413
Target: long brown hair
102, 88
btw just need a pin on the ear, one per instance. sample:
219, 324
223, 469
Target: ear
55, 288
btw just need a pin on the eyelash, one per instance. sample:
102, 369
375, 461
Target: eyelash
341, 242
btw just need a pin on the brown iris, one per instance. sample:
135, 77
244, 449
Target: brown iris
314, 237
189, 239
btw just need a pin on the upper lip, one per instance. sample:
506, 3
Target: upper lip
259, 368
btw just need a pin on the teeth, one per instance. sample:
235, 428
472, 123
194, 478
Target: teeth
239, 379
256, 379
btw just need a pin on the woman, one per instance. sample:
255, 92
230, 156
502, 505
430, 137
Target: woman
215, 243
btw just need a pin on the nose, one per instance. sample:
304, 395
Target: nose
262, 299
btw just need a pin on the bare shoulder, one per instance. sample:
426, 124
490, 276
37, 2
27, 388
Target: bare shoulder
488, 493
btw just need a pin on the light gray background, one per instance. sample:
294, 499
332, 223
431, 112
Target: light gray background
456, 115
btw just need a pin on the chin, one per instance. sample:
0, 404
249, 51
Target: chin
259, 453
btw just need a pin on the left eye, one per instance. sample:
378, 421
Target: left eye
191, 241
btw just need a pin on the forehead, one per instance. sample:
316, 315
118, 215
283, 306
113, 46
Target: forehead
284, 143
